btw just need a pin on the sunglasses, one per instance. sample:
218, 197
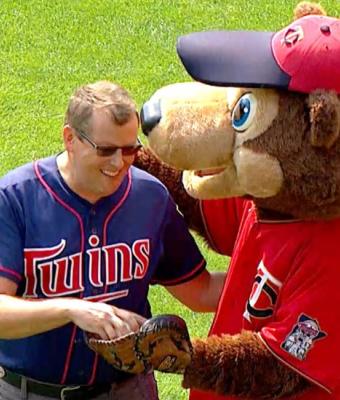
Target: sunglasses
107, 151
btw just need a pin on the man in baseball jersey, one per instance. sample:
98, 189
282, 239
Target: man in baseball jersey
83, 235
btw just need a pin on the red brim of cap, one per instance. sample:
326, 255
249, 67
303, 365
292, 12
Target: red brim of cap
232, 58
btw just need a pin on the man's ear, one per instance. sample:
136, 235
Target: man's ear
324, 113
68, 137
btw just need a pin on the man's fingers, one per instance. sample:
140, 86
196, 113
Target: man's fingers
107, 321
102, 333
130, 317
135, 323
120, 326
140, 320
110, 331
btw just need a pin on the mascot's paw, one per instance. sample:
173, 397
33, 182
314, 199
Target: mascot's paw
162, 343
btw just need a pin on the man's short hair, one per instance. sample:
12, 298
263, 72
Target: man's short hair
105, 95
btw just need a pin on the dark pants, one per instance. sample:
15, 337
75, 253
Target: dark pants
139, 387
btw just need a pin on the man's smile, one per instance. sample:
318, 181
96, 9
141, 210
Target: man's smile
109, 173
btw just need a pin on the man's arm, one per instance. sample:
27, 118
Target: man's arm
21, 318
202, 293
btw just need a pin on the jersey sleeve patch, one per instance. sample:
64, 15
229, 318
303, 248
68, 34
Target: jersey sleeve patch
302, 337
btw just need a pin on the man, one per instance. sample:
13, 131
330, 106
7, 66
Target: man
83, 234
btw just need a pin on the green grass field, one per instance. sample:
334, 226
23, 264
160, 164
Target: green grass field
48, 48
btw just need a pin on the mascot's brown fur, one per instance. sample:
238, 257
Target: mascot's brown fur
287, 162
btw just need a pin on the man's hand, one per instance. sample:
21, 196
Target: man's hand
104, 320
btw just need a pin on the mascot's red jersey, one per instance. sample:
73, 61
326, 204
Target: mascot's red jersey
283, 282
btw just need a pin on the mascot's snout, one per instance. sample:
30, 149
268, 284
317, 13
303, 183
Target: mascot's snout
150, 115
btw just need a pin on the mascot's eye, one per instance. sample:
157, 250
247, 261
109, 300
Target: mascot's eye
244, 112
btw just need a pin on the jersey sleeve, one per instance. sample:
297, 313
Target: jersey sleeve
181, 260
222, 219
305, 333
11, 240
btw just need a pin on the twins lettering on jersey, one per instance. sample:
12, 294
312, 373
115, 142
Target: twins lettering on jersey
64, 276
263, 296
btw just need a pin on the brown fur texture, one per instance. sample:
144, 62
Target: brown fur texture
303, 137
307, 8
240, 365
188, 206
324, 119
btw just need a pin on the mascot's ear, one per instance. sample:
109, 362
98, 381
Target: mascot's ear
324, 113
307, 8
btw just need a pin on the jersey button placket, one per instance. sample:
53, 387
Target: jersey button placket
93, 253
93, 228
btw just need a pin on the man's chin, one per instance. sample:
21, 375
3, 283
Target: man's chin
111, 185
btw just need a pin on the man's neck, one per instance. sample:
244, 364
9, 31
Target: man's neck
65, 169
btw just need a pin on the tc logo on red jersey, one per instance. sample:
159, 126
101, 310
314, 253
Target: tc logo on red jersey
263, 296
300, 339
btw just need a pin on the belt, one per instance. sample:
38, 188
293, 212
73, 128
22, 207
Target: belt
83, 392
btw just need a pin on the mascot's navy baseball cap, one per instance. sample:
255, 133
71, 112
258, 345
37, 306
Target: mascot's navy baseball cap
302, 57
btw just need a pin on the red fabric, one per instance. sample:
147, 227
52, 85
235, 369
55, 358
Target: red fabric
283, 282
222, 233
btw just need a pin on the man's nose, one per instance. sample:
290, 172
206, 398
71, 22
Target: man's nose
117, 159
150, 115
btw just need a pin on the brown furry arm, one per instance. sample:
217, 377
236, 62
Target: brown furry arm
240, 365
172, 179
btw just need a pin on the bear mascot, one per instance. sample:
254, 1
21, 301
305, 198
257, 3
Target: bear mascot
250, 151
